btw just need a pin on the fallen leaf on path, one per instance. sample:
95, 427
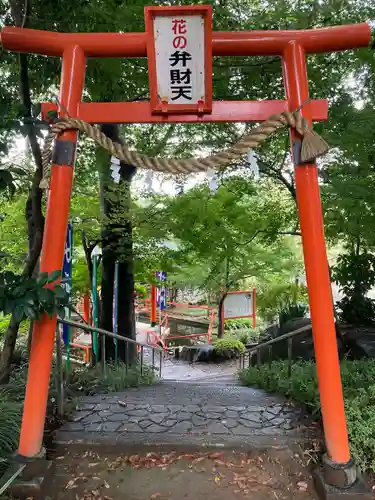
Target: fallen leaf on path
199, 470
199, 459
133, 459
216, 455
155, 495
106, 485
220, 462
94, 464
302, 486
122, 403
71, 484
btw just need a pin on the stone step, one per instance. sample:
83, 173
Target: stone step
184, 415
225, 380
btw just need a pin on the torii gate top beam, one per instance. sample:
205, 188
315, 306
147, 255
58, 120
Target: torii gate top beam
241, 43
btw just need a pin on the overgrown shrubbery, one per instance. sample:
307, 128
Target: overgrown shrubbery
10, 420
116, 378
358, 379
280, 300
242, 330
238, 323
291, 312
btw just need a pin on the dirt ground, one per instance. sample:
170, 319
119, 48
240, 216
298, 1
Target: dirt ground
272, 475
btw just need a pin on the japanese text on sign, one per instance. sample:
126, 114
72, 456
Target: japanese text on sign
179, 47
238, 305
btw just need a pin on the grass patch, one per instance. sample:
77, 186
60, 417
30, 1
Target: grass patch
10, 421
358, 378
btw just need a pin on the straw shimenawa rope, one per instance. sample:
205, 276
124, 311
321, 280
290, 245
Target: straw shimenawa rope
312, 146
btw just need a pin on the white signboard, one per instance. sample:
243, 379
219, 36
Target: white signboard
180, 55
238, 305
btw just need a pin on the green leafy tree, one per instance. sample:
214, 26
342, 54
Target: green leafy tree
355, 274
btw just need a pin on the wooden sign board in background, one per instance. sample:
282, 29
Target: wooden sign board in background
238, 305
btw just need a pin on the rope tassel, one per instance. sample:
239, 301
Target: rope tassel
312, 147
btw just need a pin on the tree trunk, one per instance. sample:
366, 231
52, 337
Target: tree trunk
117, 246
126, 314
8, 350
220, 325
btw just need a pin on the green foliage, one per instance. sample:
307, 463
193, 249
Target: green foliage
228, 348
359, 393
141, 290
80, 276
10, 419
29, 298
238, 323
13, 231
116, 378
281, 300
355, 274
219, 245
293, 311
241, 329
4, 322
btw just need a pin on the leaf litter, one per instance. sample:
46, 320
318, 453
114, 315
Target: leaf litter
243, 475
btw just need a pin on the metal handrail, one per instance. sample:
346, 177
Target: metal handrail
269, 343
100, 331
277, 339
94, 329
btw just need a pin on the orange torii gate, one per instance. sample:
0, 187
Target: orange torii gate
195, 105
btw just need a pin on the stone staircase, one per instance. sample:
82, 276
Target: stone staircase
214, 412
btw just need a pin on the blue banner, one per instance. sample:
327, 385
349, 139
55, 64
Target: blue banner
66, 281
161, 297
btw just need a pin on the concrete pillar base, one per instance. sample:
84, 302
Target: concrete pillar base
358, 490
34, 479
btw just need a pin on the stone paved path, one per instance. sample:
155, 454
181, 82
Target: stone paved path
199, 372
186, 414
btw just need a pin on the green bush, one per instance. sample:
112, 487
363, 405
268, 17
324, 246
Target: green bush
116, 378
358, 378
238, 323
278, 297
291, 312
10, 420
228, 348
